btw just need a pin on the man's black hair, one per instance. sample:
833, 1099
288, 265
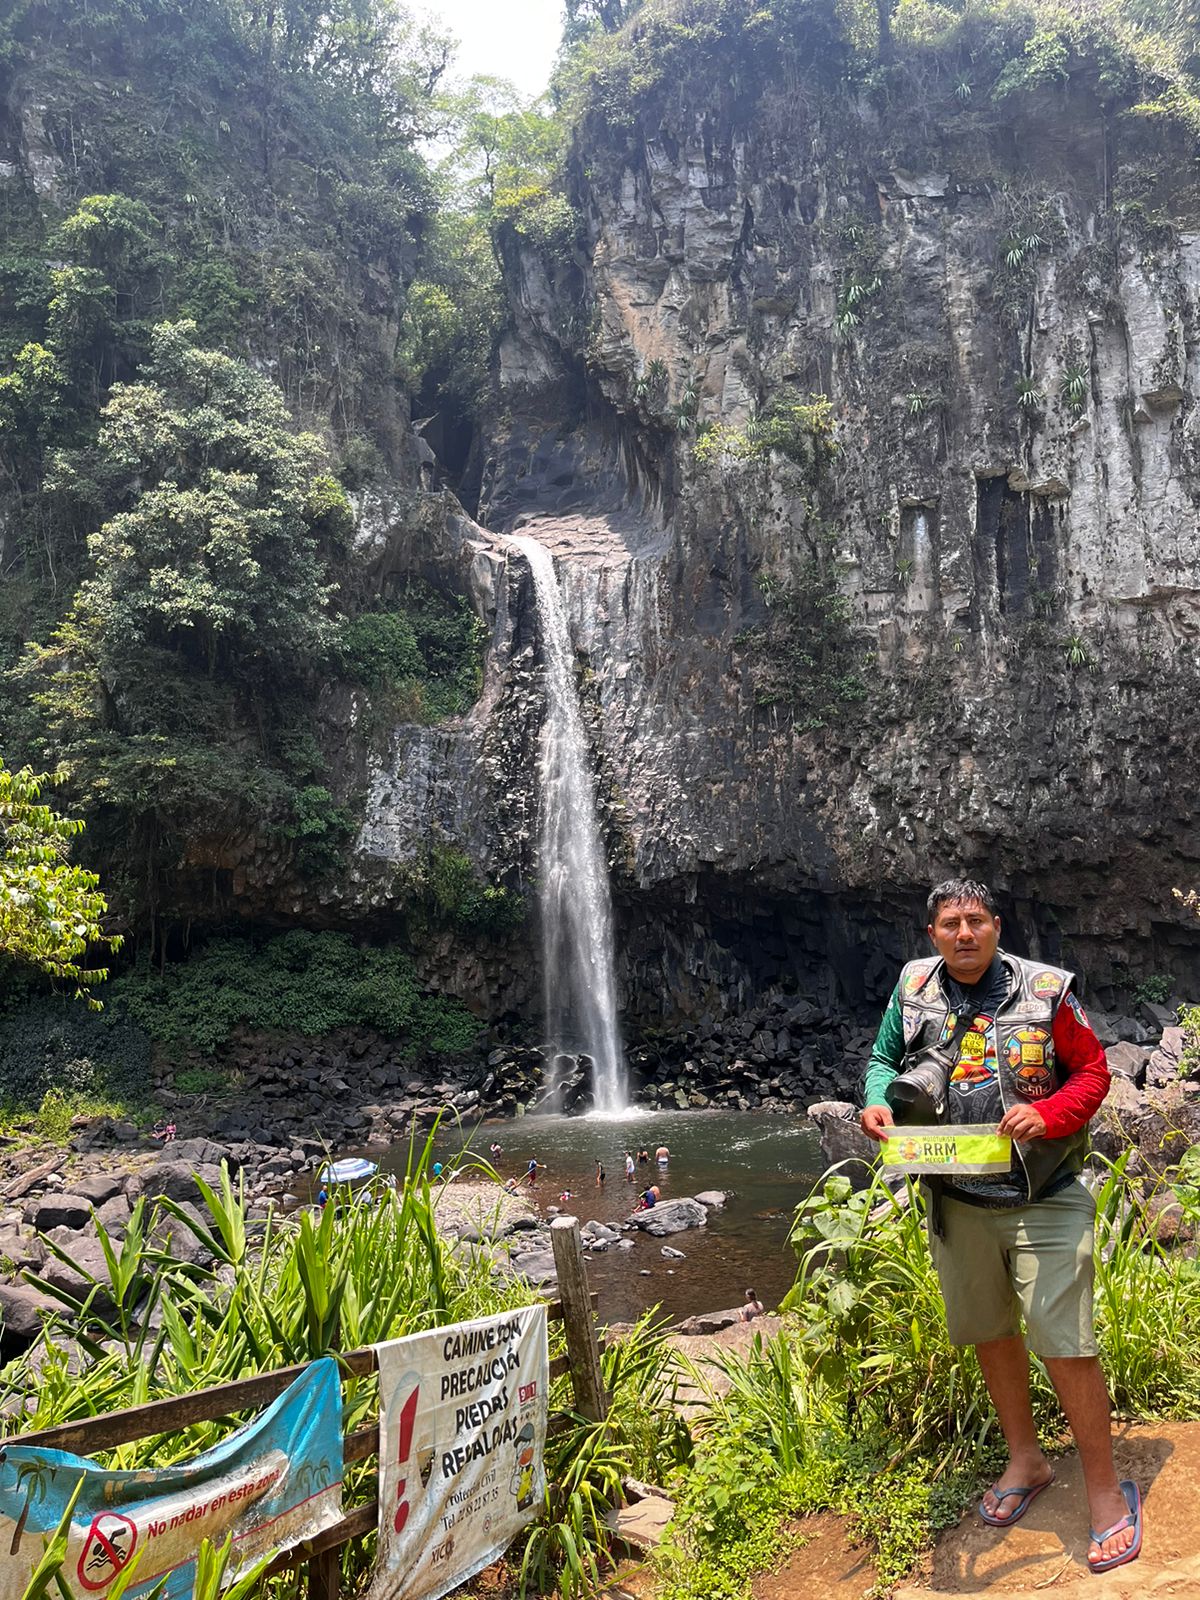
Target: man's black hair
958, 891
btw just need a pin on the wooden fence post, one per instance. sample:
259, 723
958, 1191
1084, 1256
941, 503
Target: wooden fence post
583, 1349
325, 1575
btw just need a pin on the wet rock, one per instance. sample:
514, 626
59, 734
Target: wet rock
713, 1199
672, 1254
670, 1216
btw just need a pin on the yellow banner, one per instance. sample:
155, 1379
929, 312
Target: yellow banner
947, 1150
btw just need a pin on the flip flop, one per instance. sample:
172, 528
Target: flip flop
1026, 1499
1133, 1499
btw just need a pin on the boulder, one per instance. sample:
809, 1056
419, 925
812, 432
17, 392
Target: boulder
713, 1199
536, 1265
672, 1254
23, 1309
175, 1179
201, 1153
709, 1321
1127, 1061
670, 1216
1166, 1219
1155, 1016
1161, 1070
88, 1258
49, 1211
114, 1214
97, 1187
842, 1140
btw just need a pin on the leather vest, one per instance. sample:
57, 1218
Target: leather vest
1025, 1068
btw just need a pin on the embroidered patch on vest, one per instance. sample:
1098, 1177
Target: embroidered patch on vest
913, 982
1025, 1052
1046, 985
1078, 1012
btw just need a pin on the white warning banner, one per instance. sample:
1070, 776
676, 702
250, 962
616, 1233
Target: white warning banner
462, 1431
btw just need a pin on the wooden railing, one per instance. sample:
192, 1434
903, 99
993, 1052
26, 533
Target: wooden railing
574, 1309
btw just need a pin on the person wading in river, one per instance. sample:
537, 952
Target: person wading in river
1022, 1056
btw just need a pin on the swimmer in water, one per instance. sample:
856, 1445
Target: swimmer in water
662, 1155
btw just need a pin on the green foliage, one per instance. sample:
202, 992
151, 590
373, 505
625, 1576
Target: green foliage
211, 584
218, 557
461, 900
803, 431
1075, 648
1189, 1060
808, 656
203, 1080
1156, 989
674, 49
861, 1405
51, 911
299, 982
567, 1548
426, 654
1073, 386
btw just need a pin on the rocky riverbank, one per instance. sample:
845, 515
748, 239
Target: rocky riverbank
350, 1088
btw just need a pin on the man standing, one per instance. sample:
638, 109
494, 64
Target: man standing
1023, 1057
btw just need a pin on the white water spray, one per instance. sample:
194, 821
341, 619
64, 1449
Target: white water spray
576, 906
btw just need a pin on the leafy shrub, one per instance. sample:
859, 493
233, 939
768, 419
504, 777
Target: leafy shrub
380, 648
298, 982
1189, 1061
547, 220
800, 430
1156, 989
463, 900
426, 652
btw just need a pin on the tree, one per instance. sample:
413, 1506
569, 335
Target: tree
195, 644
50, 910
218, 553
589, 16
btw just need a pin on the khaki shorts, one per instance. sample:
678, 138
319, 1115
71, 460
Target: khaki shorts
1032, 1261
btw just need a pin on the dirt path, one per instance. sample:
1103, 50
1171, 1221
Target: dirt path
1044, 1557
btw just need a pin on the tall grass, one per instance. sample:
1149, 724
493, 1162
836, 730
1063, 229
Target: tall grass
281, 1291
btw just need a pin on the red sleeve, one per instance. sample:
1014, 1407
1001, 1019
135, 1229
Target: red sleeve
1081, 1056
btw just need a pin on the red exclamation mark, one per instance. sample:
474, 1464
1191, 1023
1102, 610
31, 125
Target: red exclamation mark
408, 1421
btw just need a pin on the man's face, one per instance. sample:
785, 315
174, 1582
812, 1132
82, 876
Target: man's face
965, 936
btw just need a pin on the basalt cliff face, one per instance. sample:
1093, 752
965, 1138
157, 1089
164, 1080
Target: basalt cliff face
1005, 487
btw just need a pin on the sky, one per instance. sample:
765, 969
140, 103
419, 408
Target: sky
515, 39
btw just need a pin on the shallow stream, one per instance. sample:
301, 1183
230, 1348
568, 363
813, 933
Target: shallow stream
765, 1162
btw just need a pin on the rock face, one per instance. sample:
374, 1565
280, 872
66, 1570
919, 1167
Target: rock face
1003, 489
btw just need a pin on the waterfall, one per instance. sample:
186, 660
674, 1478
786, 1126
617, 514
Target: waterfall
576, 906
